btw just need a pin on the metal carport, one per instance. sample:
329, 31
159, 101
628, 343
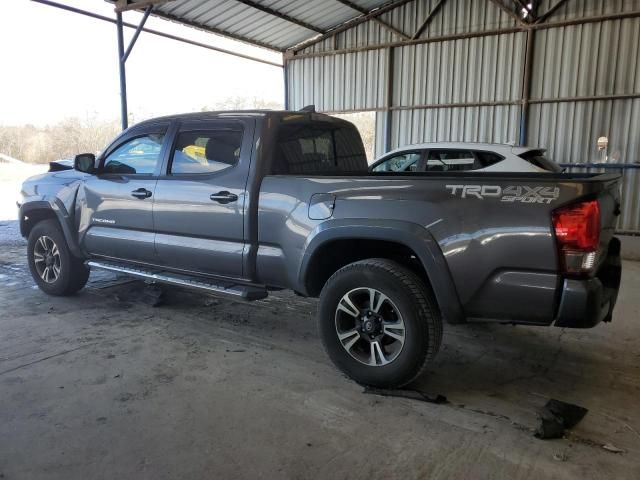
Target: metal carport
555, 73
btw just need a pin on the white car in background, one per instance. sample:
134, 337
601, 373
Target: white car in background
465, 156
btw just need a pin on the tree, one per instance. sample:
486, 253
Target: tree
243, 103
53, 142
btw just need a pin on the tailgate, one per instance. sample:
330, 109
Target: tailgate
609, 201
589, 253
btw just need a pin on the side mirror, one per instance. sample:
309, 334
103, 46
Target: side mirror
85, 162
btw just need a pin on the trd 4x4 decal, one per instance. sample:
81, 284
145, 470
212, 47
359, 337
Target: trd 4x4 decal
513, 193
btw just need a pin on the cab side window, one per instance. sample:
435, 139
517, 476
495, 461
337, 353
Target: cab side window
139, 155
406, 162
206, 151
305, 148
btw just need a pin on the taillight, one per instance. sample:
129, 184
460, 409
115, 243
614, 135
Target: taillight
577, 230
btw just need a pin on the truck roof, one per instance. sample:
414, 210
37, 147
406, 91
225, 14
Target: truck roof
256, 113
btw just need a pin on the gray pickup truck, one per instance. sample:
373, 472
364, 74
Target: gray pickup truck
246, 202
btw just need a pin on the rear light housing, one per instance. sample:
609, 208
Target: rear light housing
577, 229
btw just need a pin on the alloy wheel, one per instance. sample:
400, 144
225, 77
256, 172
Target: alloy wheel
46, 257
369, 326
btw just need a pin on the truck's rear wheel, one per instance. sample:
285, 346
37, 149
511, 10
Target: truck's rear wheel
53, 267
379, 323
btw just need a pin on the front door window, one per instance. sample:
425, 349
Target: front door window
139, 155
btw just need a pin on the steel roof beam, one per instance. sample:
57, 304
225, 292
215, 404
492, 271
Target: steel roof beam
280, 15
124, 5
217, 31
551, 11
530, 11
292, 55
156, 32
199, 26
508, 11
350, 24
427, 20
384, 24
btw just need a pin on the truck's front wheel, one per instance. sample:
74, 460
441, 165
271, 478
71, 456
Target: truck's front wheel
379, 323
52, 265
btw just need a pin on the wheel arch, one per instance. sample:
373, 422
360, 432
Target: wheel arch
336, 243
32, 213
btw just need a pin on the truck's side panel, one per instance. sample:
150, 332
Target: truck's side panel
284, 254
491, 240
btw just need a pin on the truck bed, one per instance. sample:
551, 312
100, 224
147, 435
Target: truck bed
491, 234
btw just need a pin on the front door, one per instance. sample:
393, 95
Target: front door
119, 199
199, 207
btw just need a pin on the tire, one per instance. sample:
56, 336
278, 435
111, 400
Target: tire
408, 310
47, 247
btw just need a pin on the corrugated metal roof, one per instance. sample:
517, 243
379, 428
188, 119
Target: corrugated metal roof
273, 24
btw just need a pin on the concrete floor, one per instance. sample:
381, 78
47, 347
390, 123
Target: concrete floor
100, 386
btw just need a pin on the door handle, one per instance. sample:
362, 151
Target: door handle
223, 197
141, 193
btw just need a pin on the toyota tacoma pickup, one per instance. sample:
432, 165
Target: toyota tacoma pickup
243, 203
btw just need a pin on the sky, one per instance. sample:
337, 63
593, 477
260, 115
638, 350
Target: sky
56, 64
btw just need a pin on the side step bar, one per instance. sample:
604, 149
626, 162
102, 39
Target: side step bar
247, 292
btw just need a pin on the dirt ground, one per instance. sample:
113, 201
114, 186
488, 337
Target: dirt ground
104, 385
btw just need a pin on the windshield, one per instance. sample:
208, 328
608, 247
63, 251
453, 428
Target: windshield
538, 159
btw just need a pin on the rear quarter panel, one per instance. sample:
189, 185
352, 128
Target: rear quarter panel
499, 249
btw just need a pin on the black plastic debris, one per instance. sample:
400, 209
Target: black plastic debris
410, 394
153, 295
148, 294
556, 417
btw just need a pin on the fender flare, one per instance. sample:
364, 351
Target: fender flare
412, 235
61, 214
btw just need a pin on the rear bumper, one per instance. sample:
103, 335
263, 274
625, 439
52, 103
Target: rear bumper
586, 302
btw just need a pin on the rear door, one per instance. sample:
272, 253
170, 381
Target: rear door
200, 200
119, 198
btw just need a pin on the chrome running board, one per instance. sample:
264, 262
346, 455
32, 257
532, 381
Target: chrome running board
248, 292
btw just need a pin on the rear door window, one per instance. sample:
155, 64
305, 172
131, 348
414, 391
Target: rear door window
205, 151
537, 158
404, 162
488, 158
450, 160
